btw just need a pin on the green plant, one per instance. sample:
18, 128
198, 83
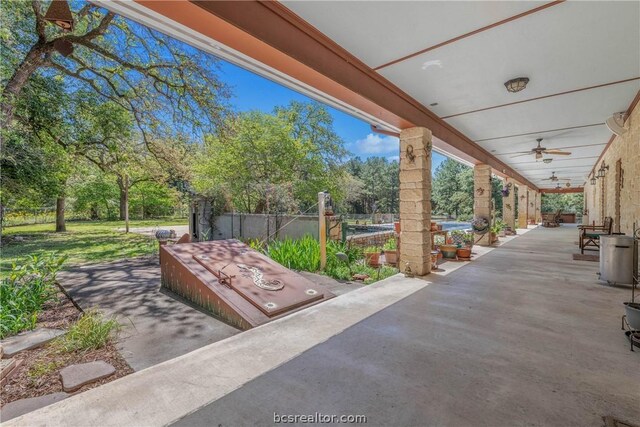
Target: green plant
390, 245
90, 332
40, 369
256, 244
372, 249
300, 254
26, 289
498, 226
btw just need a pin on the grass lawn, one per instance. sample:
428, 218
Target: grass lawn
84, 242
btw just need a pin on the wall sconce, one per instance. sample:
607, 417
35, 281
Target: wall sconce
59, 14
602, 170
593, 180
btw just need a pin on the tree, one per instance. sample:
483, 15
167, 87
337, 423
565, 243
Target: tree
167, 88
272, 162
570, 202
32, 160
452, 189
156, 78
380, 180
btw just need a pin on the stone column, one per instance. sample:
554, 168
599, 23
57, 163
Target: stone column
482, 197
415, 200
509, 207
531, 206
538, 207
523, 205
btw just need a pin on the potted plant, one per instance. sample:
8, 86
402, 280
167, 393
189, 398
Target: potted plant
464, 252
372, 255
469, 240
496, 229
448, 250
390, 249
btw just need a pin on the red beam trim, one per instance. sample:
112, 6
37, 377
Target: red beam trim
474, 32
562, 190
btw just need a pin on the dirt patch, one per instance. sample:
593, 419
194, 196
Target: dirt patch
58, 314
39, 374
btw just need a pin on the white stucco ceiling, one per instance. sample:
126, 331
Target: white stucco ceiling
565, 47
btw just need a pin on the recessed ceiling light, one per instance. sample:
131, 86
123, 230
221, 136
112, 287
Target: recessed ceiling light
517, 84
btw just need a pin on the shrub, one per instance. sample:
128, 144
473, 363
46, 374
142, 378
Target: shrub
90, 332
301, 254
27, 288
390, 245
304, 254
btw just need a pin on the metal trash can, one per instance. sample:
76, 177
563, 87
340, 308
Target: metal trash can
616, 259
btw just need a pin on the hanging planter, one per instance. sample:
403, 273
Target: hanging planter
480, 225
506, 190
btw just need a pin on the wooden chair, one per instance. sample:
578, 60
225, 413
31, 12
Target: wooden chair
555, 222
590, 235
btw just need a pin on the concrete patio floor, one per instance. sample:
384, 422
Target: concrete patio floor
523, 335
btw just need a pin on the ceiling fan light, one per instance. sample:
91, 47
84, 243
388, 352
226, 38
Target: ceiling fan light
547, 160
517, 84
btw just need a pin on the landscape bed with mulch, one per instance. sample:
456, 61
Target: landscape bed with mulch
39, 372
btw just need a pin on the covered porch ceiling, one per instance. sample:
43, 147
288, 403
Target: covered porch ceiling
441, 65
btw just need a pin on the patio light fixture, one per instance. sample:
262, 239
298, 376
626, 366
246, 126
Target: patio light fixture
593, 180
517, 84
547, 160
602, 170
59, 14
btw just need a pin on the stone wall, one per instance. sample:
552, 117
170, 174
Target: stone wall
618, 194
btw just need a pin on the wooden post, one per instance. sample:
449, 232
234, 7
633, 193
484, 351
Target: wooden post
322, 230
126, 204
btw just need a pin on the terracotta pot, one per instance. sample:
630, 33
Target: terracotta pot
391, 257
373, 258
396, 227
448, 251
464, 252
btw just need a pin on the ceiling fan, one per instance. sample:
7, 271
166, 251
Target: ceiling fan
539, 151
554, 178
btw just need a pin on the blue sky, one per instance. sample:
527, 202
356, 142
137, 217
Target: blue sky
252, 92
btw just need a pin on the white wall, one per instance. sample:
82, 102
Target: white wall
251, 226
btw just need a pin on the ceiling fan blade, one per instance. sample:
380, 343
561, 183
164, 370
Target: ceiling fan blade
558, 152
